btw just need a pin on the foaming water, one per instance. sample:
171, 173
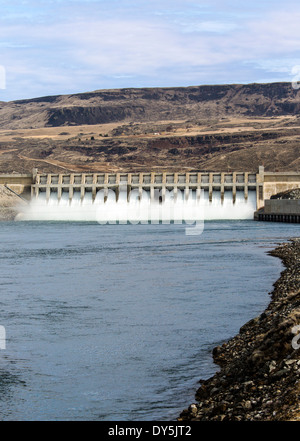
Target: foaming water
184, 208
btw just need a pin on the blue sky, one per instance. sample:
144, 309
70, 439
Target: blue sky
50, 47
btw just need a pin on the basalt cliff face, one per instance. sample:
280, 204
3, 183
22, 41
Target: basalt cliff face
152, 104
222, 127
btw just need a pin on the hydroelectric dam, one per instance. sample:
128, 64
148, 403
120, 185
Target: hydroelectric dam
146, 197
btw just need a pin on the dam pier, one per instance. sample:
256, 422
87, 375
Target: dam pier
140, 182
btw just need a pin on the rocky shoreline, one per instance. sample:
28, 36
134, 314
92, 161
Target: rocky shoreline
259, 376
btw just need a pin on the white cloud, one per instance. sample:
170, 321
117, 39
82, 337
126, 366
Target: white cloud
218, 27
94, 44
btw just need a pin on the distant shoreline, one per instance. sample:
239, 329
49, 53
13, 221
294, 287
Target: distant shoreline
259, 377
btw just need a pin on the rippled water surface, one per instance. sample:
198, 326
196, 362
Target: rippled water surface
117, 322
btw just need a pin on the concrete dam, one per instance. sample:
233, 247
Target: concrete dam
146, 197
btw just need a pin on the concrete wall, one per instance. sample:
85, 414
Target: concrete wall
271, 183
20, 183
278, 182
20, 179
282, 206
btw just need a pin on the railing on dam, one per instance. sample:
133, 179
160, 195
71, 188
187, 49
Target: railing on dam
94, 182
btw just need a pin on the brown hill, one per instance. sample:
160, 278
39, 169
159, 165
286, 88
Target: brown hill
205, 127
151, 104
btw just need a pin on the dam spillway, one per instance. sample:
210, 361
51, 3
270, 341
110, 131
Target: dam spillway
143, 197
166, 196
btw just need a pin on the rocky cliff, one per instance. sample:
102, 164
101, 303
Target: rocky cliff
152, 104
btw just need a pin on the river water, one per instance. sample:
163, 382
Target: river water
117, 322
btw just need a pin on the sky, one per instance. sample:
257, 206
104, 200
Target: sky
52, 47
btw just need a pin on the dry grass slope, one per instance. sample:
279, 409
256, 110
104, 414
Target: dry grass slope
228, 127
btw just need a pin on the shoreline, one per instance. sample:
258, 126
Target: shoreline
259, 376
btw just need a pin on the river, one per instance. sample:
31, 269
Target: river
117, 322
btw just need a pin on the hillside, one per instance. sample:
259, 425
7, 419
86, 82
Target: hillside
223, 127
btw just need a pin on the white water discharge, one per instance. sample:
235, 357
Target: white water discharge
140, 208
